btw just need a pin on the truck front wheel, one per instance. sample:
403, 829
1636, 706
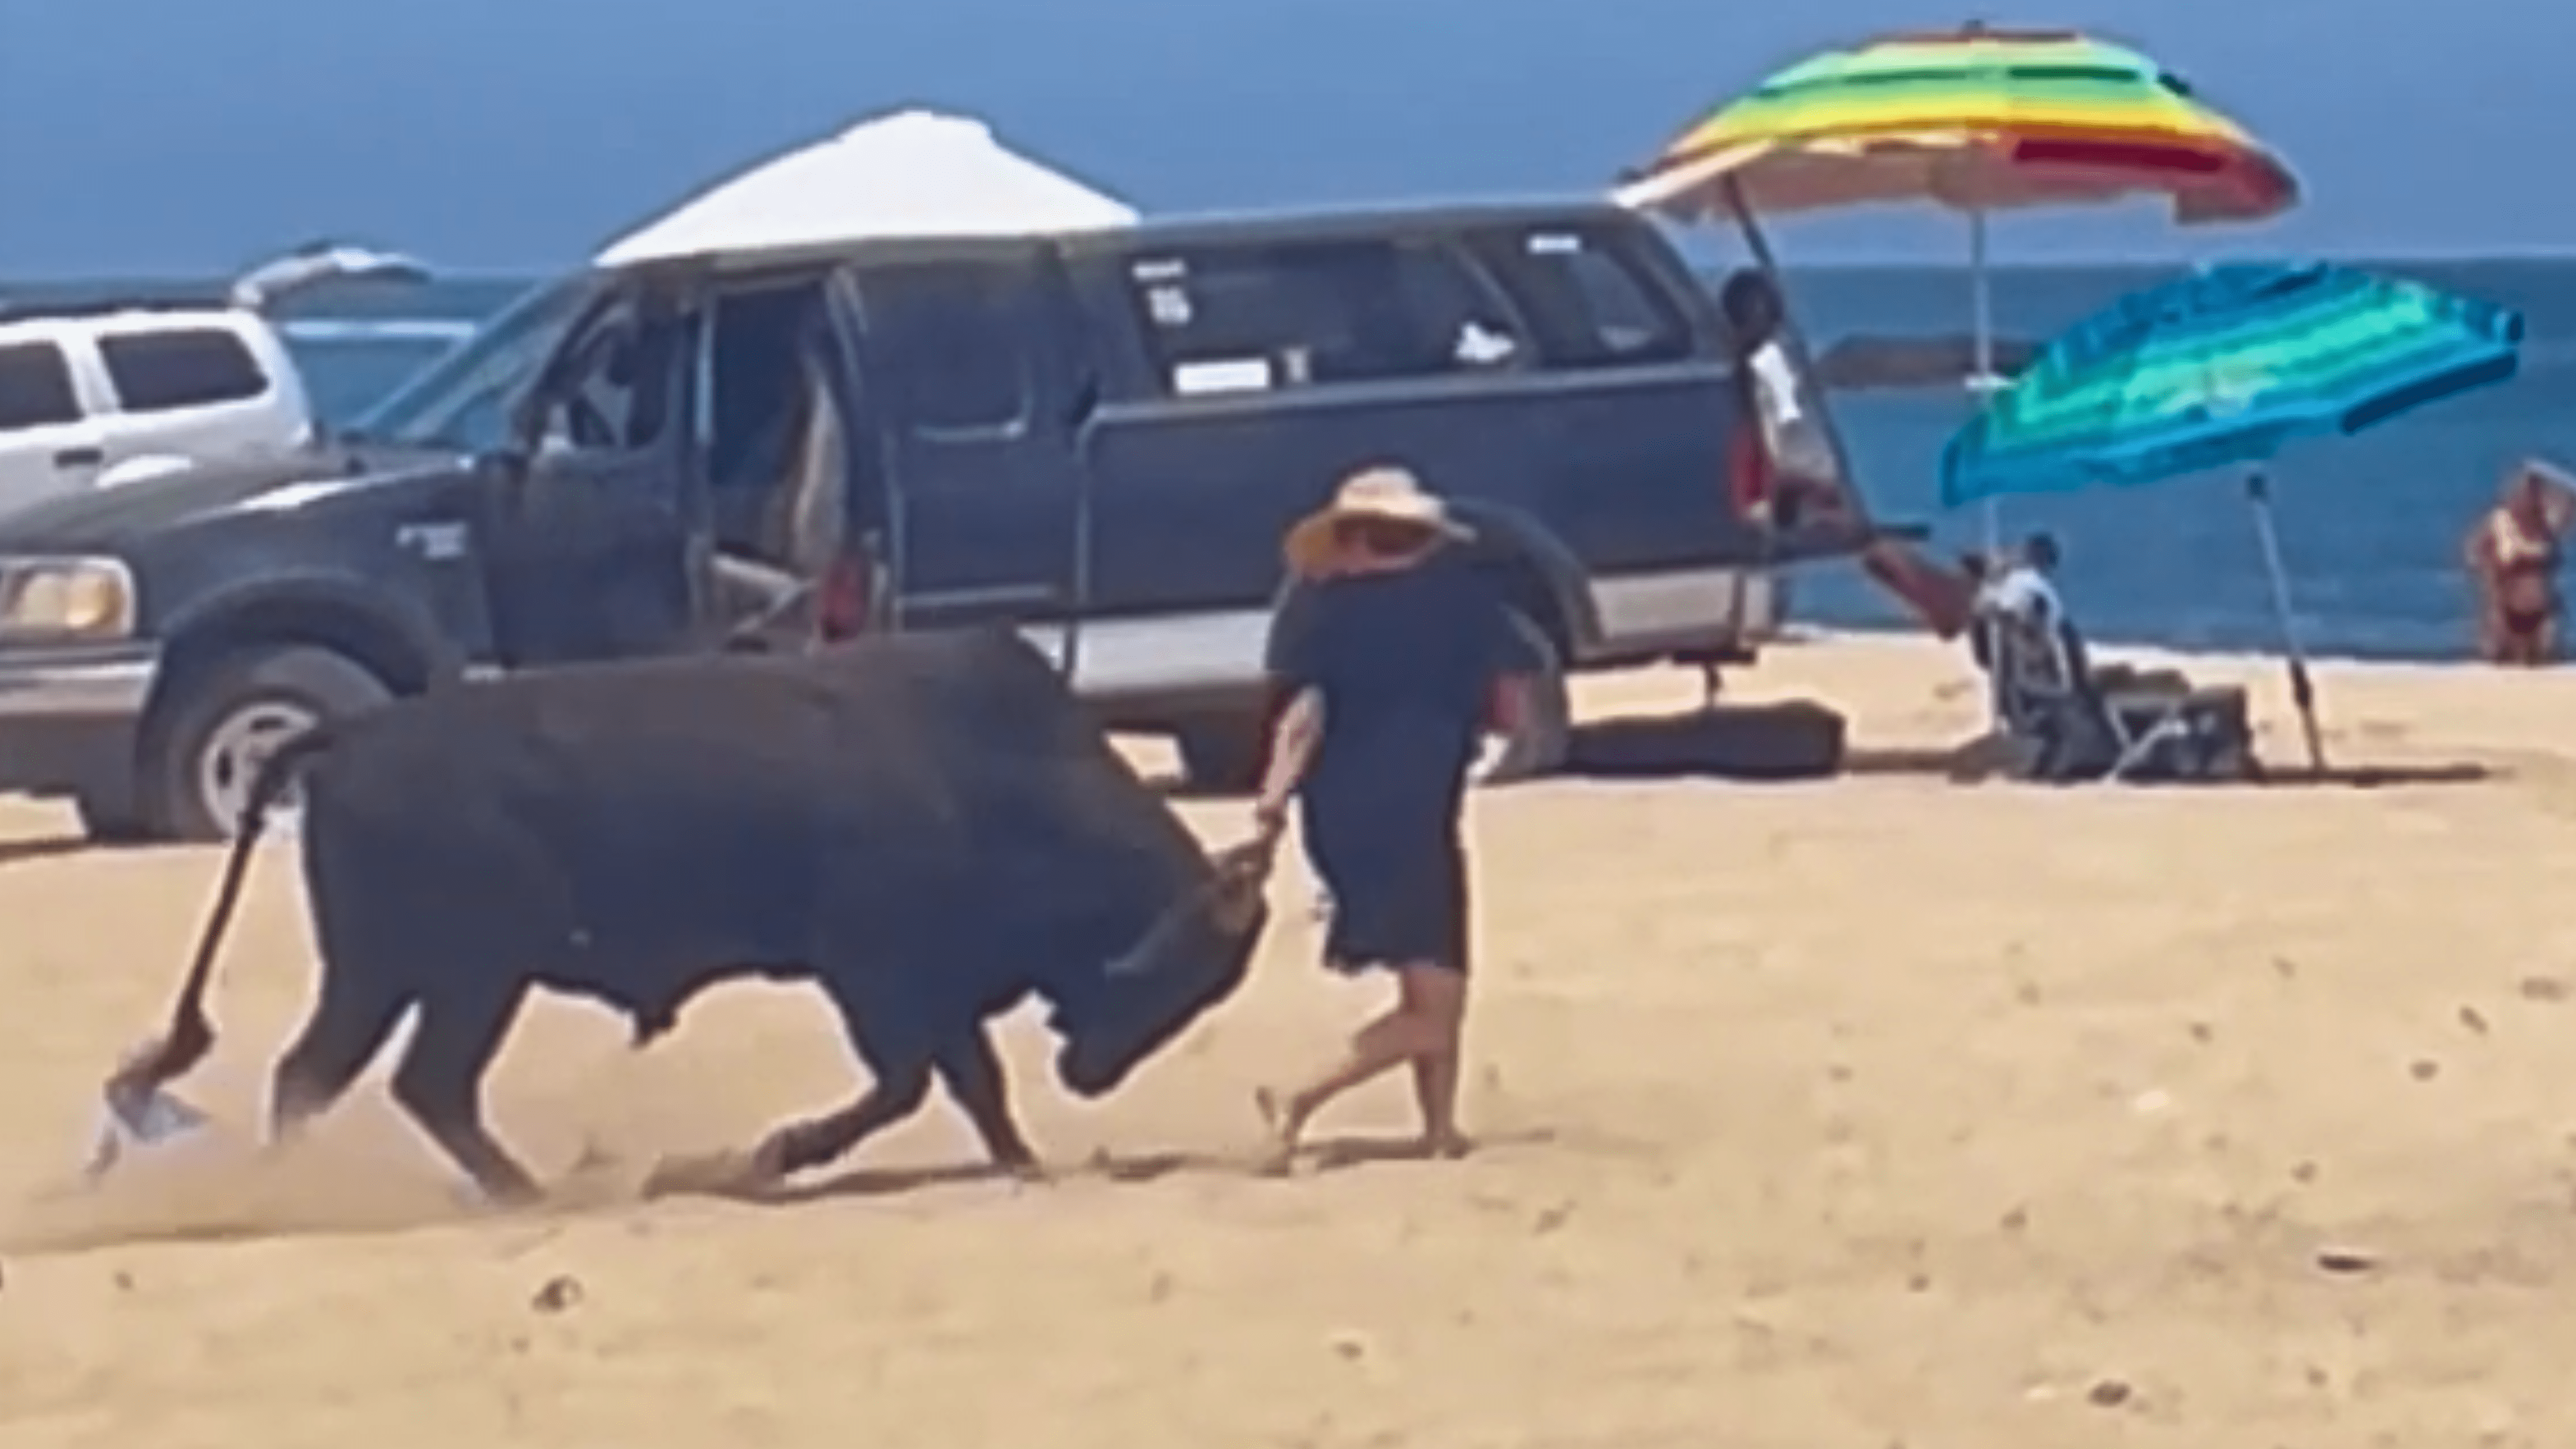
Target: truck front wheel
203, 745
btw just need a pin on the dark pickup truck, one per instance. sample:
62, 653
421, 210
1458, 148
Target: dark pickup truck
1098, 437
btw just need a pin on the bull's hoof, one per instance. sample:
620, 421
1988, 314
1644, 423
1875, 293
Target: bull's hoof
712, 1174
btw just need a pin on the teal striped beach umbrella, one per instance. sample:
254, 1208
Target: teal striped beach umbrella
2225, 368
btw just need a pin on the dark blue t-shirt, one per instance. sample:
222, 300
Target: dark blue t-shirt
1406, 663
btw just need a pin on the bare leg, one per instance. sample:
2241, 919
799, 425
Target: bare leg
1438, 997
1423, 1026
440, 1083
973, 1077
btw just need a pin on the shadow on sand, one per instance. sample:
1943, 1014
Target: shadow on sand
43, 847
1324, 1155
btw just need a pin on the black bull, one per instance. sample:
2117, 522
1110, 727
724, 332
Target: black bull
926, 827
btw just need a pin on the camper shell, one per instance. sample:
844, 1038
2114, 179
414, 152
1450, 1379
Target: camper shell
1097, 435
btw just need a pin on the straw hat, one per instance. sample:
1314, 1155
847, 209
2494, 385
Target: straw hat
1385, 494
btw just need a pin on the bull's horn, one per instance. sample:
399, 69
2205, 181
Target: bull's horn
1233, 898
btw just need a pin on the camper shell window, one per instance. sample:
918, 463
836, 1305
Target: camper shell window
1590, 300
1252, 318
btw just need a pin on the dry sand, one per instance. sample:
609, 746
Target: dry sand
1874, 1111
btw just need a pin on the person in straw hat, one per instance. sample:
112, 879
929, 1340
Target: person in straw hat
1395, 655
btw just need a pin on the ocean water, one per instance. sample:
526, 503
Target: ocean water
2370, 525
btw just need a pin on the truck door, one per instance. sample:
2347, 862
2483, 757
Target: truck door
973, 388
593, 539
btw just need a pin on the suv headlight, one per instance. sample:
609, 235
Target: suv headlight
65, 599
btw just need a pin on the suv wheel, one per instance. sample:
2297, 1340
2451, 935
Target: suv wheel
206, 744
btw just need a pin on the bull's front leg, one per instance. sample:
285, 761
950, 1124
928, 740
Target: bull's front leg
973, 1076
897, 1054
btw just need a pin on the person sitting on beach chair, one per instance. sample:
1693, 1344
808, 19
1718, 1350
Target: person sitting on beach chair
2080, 721
2034, 658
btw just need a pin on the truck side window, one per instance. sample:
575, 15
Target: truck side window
1250, 318
616, 393
1591, 303
953, 342
36, 387
187, 368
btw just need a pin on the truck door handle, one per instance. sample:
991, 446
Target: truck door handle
80, 457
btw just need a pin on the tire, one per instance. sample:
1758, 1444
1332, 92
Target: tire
204, 743
108, 815
1546, 734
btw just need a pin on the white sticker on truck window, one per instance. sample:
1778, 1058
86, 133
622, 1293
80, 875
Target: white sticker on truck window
1197, 379
1168, 306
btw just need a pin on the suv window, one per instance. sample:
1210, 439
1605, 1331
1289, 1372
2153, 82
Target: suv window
36, 387
1589, 299
1227, 319
953, 338
193, 367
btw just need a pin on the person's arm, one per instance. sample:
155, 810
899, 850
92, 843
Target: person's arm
1292, 656
1511, 670
1292, 750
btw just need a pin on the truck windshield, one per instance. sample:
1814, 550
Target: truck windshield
462, 400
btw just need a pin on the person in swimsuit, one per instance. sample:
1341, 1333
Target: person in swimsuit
2513, 558
1394, 657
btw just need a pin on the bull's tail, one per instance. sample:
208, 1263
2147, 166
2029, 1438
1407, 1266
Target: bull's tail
191, 1033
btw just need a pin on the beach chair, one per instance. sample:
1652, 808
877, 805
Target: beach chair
2074, 722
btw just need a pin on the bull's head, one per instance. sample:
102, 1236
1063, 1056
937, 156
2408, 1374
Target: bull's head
1192, 957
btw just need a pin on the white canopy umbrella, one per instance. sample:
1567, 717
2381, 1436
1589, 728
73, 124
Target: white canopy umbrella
912, 175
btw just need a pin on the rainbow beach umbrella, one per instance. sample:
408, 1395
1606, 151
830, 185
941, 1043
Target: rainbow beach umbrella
1975, 120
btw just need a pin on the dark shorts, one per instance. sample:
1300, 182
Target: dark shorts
1392, 908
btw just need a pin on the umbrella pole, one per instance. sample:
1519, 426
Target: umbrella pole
1981, 381
2258, 492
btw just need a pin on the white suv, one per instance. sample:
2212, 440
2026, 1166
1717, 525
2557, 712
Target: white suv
97, 397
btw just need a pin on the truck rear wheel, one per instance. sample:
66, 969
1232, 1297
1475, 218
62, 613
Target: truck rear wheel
205, 744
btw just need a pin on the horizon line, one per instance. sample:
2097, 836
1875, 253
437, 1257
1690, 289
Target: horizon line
1846, 263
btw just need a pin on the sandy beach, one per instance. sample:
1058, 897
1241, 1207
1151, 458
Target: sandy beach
1864, 1112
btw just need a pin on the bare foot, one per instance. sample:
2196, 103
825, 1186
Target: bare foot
1280, 1125
1447, 1146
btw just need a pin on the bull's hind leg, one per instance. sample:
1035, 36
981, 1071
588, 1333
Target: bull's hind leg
973, 1076
440, 1082
348, 1027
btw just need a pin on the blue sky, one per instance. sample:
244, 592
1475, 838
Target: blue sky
169, 136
